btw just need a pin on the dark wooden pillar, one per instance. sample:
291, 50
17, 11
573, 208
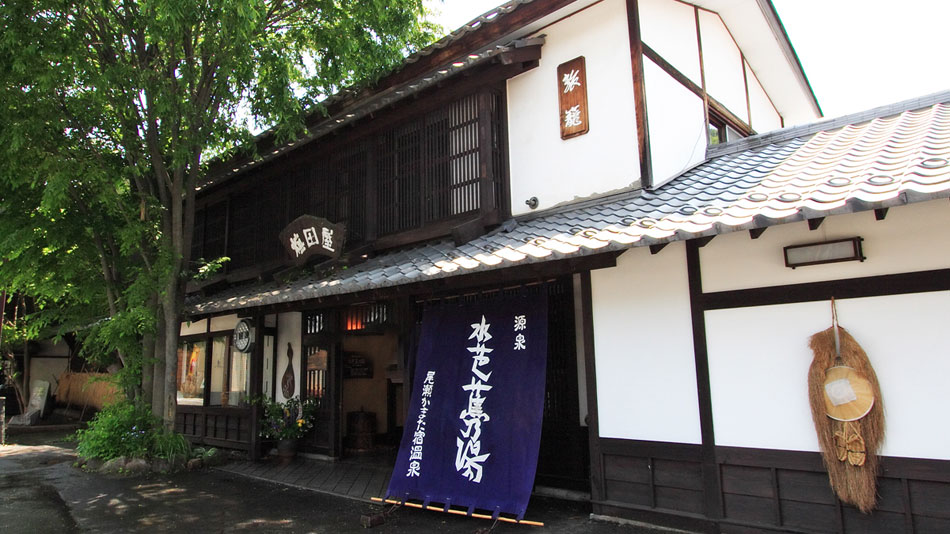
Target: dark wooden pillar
584, 307
711, 479
257, 377
639, 94
486, 166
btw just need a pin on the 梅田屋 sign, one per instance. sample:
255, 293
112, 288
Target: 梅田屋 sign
307, 236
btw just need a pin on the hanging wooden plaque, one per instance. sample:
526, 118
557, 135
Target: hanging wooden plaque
572, 97
307, 235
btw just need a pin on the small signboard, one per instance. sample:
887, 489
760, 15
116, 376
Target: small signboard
572, 97
307, 236
357, 366
243, 335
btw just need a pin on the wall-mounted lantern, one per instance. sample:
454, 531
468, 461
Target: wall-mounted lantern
824, 252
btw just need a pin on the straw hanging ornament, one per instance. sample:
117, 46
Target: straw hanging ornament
848, 413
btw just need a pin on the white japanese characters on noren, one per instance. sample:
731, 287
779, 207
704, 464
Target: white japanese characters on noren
415, 452
469, 458
521, 323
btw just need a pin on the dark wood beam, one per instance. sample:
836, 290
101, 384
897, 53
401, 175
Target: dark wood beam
880, 213
655, 249
755, 233
484, 36
813, 224
639, 94
871, 286
715, 106
702, 241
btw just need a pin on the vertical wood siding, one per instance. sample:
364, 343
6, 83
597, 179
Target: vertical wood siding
423, 170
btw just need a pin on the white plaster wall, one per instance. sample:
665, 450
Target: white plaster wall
759, 358
910, 238
722, 63
196, 327
224, 322
764, 117
48, 369
268, 366
288, 331
555, 170
669, 28
646, 378
677, 124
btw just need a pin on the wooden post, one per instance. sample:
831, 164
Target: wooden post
486, 168
257, 377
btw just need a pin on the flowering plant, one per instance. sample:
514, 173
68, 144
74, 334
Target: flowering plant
290, 419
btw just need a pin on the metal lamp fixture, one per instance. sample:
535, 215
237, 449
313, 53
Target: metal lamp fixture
833, 251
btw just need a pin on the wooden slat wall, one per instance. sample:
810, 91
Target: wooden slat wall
425, 169
769, 490
216, 426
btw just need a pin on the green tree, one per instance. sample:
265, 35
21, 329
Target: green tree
113, 108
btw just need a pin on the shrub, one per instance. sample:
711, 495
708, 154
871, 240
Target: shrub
168, 445
122, 428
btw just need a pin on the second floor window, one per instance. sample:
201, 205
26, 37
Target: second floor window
419, 170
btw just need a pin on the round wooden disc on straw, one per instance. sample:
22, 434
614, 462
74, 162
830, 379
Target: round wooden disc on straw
848, 395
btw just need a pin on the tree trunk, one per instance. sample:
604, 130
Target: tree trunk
158, 387
172, 328
148, 354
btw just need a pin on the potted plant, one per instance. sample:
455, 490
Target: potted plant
287, 422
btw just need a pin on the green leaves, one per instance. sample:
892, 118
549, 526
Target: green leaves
109, 112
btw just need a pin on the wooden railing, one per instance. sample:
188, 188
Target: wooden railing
218, 426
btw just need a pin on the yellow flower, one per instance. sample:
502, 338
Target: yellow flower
299, 422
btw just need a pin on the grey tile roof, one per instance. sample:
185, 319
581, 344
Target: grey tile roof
841, 166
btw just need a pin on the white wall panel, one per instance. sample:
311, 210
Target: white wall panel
722, 63
555, 170
224, 322
669, 28
196, 327
288, 332
677, 124
646, 379
911, 238
759, 358
764, 117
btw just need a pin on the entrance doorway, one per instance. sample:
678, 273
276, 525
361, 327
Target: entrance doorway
563, 458
322, 372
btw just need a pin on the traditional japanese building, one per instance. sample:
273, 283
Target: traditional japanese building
586, 154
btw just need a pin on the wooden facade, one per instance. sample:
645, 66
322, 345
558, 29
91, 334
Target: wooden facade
413, 173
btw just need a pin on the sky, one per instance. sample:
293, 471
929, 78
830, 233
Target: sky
857, 54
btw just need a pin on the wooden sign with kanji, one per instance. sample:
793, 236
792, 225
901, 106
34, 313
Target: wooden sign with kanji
308, 235
572, 97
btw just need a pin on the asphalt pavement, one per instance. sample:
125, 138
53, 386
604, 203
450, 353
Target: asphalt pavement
41, 491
